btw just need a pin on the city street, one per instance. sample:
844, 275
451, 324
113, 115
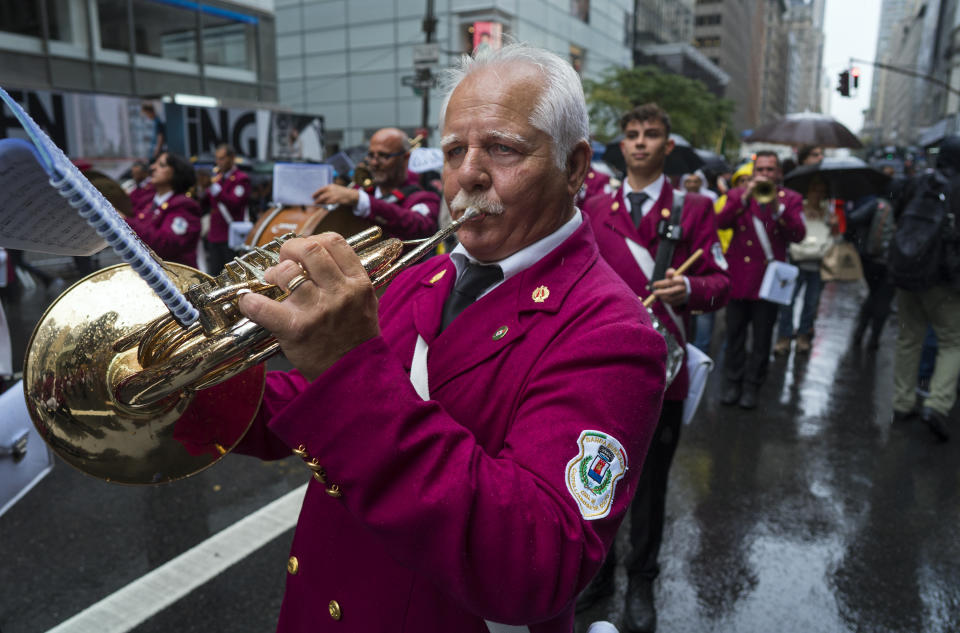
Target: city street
811, 513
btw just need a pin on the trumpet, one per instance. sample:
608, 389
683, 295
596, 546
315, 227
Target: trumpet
764, 191
121, 391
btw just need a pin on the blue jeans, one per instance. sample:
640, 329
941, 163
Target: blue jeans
810, 281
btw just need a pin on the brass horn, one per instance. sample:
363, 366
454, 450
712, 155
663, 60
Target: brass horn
121, 391
764, 191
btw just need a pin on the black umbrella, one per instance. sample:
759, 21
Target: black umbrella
713, 162
846, 178
805, 128
682, 160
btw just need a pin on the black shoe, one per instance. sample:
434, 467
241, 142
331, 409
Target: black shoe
600, 588
874, 343
860, 330
731, 394
936, 422
749, 398
641, 614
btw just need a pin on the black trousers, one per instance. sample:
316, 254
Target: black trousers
649, 503
218, 254
758, 317
876, 307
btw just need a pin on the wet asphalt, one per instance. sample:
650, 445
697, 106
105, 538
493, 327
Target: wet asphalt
811, 513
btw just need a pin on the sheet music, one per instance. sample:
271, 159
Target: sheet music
33, 215
294, 183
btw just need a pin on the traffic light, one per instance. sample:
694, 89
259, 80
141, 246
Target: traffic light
844, 87
855, 72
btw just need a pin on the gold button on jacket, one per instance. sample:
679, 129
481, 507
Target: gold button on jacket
293, 565
335, 612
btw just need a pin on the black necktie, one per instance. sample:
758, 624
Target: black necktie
475, 279
637, 198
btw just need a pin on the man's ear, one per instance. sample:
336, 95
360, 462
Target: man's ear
578, 164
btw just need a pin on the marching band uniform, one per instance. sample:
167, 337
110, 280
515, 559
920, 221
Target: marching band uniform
406, 213
594, 184
229, 196
708, 287
141, 195
475, 503
170, 226
783, 222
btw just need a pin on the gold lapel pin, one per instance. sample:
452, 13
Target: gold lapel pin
540, 294
615, 206
438, 276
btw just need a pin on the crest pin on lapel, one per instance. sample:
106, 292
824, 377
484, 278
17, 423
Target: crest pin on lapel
540, 294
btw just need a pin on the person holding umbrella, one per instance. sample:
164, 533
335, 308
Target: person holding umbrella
806, 256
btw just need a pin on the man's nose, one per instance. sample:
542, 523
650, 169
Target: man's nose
473, 174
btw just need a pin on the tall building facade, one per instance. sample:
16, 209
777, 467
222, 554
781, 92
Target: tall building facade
354, 61
893, 16
913, 110
222, 49
774, 62
804, 25
663, 37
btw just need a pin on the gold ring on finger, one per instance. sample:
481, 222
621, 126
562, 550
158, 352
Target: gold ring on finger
294, 283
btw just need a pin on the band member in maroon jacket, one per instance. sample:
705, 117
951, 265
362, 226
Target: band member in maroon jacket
229, 195
141, 189
631, 225
403, 209
170, 224
782, 220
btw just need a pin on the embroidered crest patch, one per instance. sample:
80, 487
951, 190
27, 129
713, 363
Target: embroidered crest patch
179, 225
238, 191
717, 251
592, 475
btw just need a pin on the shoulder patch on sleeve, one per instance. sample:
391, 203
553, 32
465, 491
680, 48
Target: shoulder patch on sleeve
592, 475
238, 190
179, 225
717, 251
421, 208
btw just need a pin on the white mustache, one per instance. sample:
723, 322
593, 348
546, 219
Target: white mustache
480, 202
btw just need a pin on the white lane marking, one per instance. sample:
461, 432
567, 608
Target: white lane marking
126, 608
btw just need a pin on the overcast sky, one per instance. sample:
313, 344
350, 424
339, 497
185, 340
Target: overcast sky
850, 30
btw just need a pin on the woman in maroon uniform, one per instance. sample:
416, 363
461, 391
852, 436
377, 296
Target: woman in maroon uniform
170, 225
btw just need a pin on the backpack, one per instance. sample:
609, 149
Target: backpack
925, 241
881, 231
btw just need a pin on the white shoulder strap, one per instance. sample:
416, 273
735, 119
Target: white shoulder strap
763, 237
646, 264
418, 369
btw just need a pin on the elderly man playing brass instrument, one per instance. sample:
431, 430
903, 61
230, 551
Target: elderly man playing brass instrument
476, 437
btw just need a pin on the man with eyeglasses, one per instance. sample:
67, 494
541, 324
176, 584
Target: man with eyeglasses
402, 208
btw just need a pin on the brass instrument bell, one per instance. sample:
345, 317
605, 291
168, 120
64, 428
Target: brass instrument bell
764, 191
121, 391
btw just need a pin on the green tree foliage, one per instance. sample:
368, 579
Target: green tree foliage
695, 113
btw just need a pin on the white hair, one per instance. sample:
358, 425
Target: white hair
562, 110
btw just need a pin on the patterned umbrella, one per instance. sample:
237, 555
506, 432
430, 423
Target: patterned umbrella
806, 128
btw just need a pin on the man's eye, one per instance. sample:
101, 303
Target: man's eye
454, 151
500, 148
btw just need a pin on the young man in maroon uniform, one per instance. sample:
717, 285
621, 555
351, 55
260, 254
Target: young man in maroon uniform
636, 227
476, 446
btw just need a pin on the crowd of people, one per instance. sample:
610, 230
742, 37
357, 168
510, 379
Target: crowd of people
490, 420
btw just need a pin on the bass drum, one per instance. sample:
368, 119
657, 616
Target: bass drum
304, 221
